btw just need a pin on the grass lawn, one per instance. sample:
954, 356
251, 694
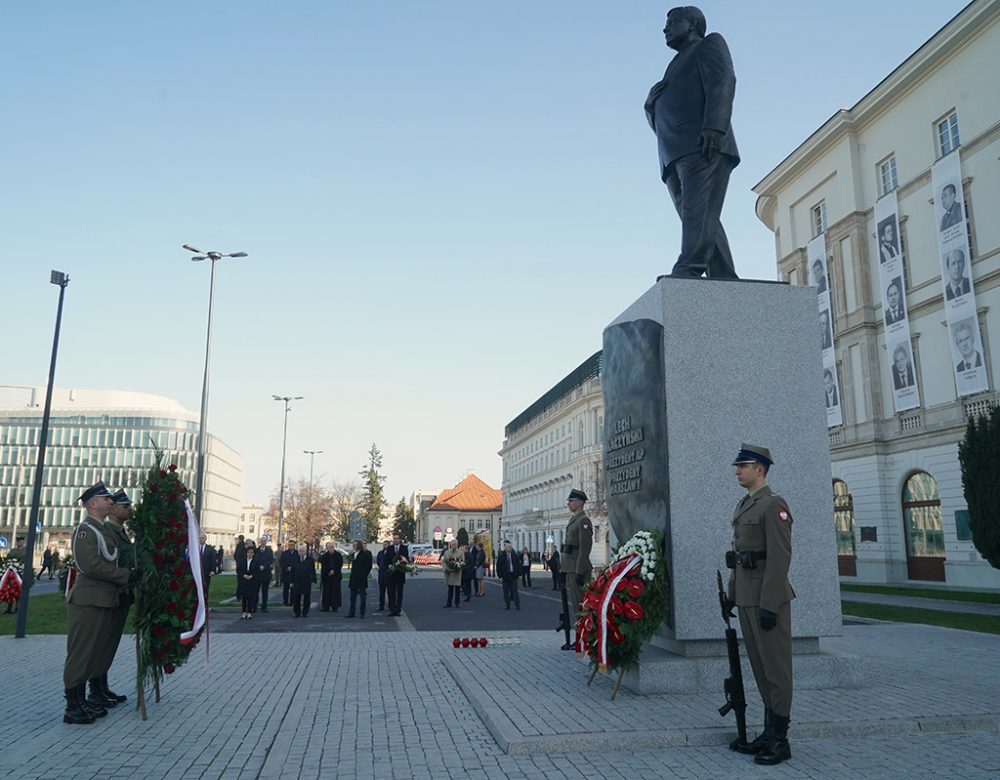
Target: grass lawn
984, 624
47, 613
977, 597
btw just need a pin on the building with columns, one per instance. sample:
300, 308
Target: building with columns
905, 394
553, 446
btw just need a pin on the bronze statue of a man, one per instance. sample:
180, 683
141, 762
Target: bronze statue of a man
690, 111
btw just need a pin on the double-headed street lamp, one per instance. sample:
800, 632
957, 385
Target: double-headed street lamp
61, 279
199, 498
284, 444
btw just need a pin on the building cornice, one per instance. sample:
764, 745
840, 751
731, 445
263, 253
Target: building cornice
950, 39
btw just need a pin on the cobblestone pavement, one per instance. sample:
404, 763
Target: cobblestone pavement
377, 705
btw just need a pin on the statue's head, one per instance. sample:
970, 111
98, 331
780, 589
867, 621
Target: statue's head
685, 24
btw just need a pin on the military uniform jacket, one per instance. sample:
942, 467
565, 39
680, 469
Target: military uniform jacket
762, 523
100, 578
576, 546
126, 554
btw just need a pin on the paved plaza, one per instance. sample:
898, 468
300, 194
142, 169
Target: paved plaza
405, 704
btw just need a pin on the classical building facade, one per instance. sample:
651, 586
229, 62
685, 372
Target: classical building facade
105, 435
471, 504
553, 446
901, 389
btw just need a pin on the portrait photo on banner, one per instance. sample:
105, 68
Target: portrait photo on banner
955, 272
830, 387
949, 207
966, 345
888, 239
825, 330
903, 375
895, 308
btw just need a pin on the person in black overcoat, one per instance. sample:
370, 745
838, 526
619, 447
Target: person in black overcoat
285, 561
554, 568
398, 552
266, 555
303, 577
383, 560
508, 570
361, 568
247, 573
331, 568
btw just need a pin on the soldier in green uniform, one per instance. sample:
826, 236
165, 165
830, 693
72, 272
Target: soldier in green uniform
92, 604
761, 555
121, 508
575, 550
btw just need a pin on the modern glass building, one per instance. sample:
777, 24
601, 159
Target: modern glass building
105, 435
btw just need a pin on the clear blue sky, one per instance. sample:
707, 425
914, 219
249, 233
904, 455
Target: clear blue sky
444, 202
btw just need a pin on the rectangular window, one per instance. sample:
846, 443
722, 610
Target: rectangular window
947, 134
887, 175
819, 218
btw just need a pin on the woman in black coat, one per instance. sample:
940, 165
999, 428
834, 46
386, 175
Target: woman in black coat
247, 587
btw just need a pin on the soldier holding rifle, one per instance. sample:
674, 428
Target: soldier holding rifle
758, 585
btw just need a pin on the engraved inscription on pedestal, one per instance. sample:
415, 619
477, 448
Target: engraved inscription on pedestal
635, 440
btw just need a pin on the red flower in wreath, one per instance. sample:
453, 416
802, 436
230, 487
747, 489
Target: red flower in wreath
163, 473
172, 467
168, 668
634, 611
616, 606
635, 588
617, 637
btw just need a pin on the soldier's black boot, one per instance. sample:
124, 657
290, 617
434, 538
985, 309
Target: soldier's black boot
97, 696
74, 712
109, 694
754, 747
777, 748
88, 706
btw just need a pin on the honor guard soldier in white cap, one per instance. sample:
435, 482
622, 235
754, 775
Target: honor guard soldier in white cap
575, 550
92, 606
758, 585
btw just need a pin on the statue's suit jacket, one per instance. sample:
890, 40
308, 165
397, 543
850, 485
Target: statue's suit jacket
696, 94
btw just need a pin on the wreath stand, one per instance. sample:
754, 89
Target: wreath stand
621, 675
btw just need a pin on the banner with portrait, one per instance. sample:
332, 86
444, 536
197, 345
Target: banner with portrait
816, 260
892, 284
956, 277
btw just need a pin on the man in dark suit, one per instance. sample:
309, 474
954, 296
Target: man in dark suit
690, 111
266, 557
554, 568
361, 567
219, 554
331, 575
888, 248
825, 333
830, 388
207, 560
383, 560
958, 283
952, 209
965, 340
509, 569
893, 300
397, 552
239, 551
285, 561
902, 370
819, 278
303, 577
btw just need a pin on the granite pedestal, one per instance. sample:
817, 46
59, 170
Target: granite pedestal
691, 370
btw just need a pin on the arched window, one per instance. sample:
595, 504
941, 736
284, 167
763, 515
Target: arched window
843, 520
922, 523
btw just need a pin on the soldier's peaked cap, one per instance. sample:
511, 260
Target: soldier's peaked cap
93, 492
121, 497
579, 495
751, 453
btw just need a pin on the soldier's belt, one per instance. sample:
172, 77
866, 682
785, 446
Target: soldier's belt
746, 559
567, 548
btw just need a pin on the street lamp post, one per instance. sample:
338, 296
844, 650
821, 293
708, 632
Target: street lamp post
61, 279
284, 444
199, 499
312, 457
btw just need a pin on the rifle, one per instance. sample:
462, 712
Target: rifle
736, 699
565, 618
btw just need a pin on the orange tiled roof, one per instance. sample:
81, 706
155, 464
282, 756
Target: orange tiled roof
469, 495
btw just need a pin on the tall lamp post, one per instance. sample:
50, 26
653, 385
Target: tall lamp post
199, 492
312, 457
284, 444
61, 279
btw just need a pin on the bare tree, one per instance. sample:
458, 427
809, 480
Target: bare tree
308, 511
345, 497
